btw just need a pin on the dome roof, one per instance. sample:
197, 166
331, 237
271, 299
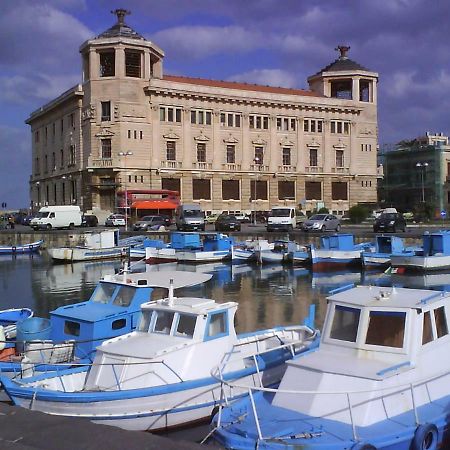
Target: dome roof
343, 63
120, 29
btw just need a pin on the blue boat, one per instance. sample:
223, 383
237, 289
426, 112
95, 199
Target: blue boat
22, 248
385, 248
434, 254
337, 250
13, 315
378, 381
73, 332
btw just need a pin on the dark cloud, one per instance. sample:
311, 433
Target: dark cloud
263, 41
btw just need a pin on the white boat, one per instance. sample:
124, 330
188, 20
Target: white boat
246, 251
97, 245
379, 380
282, 252
160, 375
434, 254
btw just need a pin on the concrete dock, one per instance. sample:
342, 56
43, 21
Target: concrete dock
21, 429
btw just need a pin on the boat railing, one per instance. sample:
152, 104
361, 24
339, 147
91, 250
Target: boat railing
351, 405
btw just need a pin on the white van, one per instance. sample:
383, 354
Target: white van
284, 218
50, 217
190, 217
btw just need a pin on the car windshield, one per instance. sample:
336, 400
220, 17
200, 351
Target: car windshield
193, 213
285, 212
228, 218
42, 215
147, 218
388, 216
318, 217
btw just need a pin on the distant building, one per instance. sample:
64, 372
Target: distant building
415, 172
229, 146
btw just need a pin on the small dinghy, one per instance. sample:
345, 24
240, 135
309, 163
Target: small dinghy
22, 248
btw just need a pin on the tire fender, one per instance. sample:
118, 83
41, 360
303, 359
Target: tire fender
425, 437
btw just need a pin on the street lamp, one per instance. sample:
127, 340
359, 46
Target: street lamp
125, 154
422, 166
256, 161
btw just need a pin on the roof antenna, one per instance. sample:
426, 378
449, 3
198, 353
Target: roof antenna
171, 293
121, 13
125, 271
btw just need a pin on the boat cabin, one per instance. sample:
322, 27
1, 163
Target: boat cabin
200, 242
337, 242
113, 309
436, 244
101, 239
388, 244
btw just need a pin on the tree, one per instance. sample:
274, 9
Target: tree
358, 213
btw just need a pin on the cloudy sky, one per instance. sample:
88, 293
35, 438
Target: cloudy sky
276, 42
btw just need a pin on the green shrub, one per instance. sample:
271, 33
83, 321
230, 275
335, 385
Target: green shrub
358, 213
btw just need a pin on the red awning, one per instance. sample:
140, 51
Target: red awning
154, 204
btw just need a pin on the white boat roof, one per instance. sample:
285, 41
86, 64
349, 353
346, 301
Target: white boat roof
190, 305
389, 297
160, 279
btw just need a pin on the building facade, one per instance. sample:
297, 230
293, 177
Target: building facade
417, 172
226, 145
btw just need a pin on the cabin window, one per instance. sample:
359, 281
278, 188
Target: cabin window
186, 325
217, 325
427, 331
124, 296
345, 323
71, 328
103, 293
386, 328
145, 320
119, 324
441, 322
163, 322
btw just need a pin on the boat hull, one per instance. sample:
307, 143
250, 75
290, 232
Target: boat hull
25, 248
160, 255
322, 259
86, 254
421, 263
202, 256
375, 260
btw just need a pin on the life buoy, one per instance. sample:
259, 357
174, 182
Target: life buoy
425, 437
363, 446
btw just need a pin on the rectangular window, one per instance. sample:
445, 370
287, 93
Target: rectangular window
61, 154
339, 190
286, 190
339, 127
258, 190
170, 114
36, 136
201, 152
286, 156
45, 163
171, 153
313, 160
53, 130
441, 322
345, 323
163, 322
107, 64
62, 127
229, 119
171, 184
106, 111
106, 148
312, 125
72, 155
386, 328
201, 117
259, 122
259, 155
186, 325
201, 189
133, 63
313, 190
285, 124
36, 167
231, 154
72, 120
129, 134
364, 91
230, 190
217, 325
427, 330
135, 134
339, 158
53, 161
141, 134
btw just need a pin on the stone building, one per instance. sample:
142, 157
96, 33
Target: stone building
227, 145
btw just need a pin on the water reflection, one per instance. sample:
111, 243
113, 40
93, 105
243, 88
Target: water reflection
267, 296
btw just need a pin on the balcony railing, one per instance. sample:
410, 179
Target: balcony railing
340, 170
172, 164
313, 169
231, 166
259, 167
202, 165
285, 169
101, 162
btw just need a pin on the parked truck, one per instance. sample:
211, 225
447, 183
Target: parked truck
50, 217
284, 218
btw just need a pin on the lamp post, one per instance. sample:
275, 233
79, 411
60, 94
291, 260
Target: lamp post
256, 161
125, 154
422, 166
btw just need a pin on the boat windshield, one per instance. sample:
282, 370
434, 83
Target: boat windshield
124, 296
103, 293
285, 212
163, 320
345, 323
386, 328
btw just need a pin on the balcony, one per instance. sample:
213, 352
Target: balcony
313, 169
285, 169
345, 170
171, 164
202, 165
233, 167
259, 167
100, 163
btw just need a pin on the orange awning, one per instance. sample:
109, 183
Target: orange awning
154, 204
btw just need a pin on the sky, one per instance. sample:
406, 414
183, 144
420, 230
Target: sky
274, 42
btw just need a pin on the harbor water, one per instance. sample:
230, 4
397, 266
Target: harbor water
267, 295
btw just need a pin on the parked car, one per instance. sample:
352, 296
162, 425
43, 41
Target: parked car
150, 223
26, 220
167, 220
212, 218
242, 217
390, 222
227, 222
89, 220
322, 222
115, 220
